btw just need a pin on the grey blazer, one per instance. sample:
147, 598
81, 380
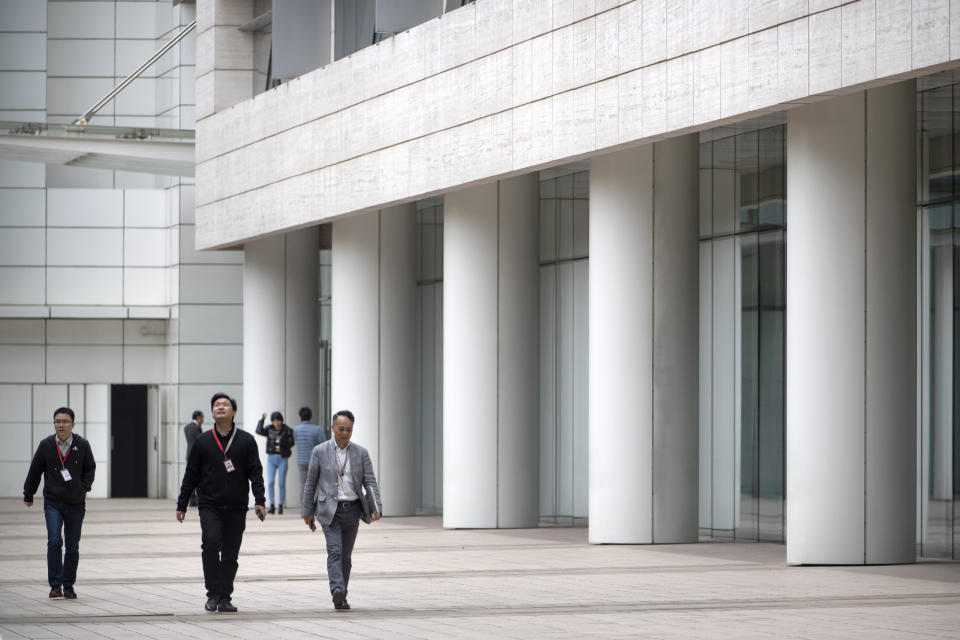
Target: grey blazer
320, 489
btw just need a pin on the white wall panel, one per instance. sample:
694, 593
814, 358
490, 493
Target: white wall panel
16, 15
12, 475
22, 285
84, 286
17, 443
84, 207
23, 51
145, 287
84, 332
63, 176
46, 399
205, 324
147, 332
21, 174
80, 20
15, 400
211, 364
22, 247
136, 20
189, 255
145, 247
139, 98
132, 53
144, 364
86, 363
75, 400
98, 403
23, 90
146, 208
14, 331
70, 96
23, 207
211, 284
85, 247
84, 58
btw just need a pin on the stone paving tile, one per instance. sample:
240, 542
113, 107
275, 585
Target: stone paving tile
140, 577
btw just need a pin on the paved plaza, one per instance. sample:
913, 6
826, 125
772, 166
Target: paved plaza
140, 577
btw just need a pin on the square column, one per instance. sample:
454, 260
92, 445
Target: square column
644, 265
280, 349
491, 356
851, 329
373, 358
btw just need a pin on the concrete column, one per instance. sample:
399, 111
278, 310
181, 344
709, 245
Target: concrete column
373, 344
280, 365
851, 345
491, 356
644, 266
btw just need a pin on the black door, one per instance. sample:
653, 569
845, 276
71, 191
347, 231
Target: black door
128, 430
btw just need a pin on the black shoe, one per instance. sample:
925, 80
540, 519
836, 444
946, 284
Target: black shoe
342, 607
55, 592
339, 598
226, 606
280, 510
271, 510
212, 603
69, 593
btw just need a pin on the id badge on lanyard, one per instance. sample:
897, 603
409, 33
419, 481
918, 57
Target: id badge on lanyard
63, 464
227, 462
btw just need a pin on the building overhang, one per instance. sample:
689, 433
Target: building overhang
168, 152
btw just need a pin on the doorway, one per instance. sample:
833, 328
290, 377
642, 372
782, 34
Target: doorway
128, 436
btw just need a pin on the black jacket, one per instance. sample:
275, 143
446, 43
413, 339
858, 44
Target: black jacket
191, 432
207, 473
46, 463
277, 441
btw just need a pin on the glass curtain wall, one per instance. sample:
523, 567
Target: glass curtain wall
430, 354
742, 331
939, 301
564, 246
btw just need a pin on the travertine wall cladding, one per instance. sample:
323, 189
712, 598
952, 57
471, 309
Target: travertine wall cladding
505, 86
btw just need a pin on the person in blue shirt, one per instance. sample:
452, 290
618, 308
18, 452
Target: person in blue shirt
307, 435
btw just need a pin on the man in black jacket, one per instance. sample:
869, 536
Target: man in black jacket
222, 466
191, 432
65, 461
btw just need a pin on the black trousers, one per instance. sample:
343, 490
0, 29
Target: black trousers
221, 534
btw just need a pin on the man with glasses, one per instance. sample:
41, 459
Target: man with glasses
340, 491
65, 461
223, 467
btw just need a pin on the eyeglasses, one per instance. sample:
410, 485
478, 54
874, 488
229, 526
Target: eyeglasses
62, 422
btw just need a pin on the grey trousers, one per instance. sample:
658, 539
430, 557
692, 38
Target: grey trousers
341, 533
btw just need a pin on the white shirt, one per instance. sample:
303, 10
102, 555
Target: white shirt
64, 445
345, 489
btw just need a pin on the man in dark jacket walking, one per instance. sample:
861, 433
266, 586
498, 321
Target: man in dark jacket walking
191, 432
65, 461
223, 466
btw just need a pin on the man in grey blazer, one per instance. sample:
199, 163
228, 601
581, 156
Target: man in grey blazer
340, 490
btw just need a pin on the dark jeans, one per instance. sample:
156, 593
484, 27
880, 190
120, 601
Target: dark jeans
341, 533
62, 570
221, 534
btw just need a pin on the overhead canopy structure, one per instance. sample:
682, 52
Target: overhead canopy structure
158, 151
